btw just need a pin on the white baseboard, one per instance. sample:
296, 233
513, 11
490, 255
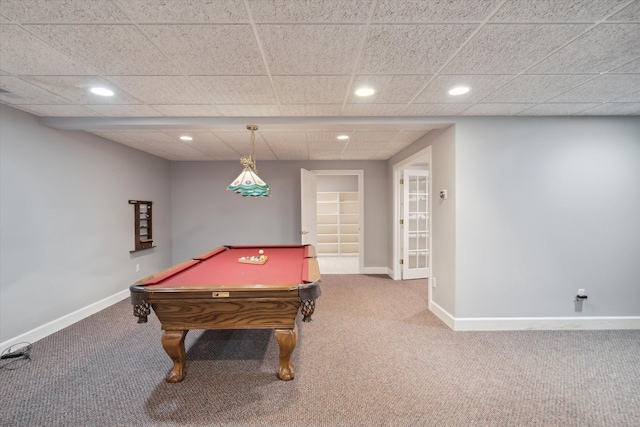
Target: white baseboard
442, 314
375, 270
534, 323
66, 320
546, 323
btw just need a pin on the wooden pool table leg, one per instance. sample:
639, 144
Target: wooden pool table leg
173, 344
287, 339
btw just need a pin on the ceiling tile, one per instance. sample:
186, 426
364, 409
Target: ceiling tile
435, 109
377, 136
434, 11
605, 47
311, 89
536, 88
311, 49
294, 137
199, 137
137, 137
57, 110
76, 89
109, 49
292, 155
629, 67
24, 93
630, 13
411, 49
358, 155
631, 97
284, 146
262, 153
124, 110
295, 110
389, 89
495, 109
319, 11
384, 155
324, 155
24, 54
142, 146
184, 11
62, 11
602, 89
409, 136
556, 109
373, 109
249, 110
212, 49
614, 109
366, 146
437, 92
238, 137
159, 89
235, 89
186, 110
556, 10
326, 141
326, 146
217, 151
397, 145
507, 49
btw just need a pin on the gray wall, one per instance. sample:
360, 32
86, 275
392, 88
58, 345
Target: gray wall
443, 214
538, 207
542, 207
66, 224
205, 215
546, 206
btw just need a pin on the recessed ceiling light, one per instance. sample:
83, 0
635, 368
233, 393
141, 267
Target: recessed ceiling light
365, 91
342, 137
102, 91
459, 90
186, 138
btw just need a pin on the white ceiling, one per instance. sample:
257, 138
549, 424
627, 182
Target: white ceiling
208, 68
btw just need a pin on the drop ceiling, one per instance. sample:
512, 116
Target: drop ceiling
208, 68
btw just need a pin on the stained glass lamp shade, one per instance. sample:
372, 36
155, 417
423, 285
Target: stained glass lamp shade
248, 183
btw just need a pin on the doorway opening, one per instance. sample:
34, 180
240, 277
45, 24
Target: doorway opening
339, 202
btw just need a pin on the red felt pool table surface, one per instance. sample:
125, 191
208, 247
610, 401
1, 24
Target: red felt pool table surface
215, 291
285, 265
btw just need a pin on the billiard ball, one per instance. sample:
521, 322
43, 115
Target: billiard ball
260, 251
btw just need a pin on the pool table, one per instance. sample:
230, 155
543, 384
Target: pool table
231, 287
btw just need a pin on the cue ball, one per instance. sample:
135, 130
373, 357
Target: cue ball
260, 251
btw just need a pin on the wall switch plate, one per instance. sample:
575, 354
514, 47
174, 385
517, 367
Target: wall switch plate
137, 267
433, 282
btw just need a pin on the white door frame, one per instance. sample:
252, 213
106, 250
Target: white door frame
308, 208
398, 170
360, 174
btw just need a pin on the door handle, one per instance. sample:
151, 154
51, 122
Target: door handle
304, 232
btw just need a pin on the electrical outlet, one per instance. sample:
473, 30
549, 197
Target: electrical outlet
137, 267
582, 291
433, 282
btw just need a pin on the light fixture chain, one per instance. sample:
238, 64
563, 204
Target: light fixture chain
252, 152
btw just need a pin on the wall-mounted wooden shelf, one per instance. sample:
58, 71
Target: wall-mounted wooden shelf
143, 225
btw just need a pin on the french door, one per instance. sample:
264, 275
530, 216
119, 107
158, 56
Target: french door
415, 220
